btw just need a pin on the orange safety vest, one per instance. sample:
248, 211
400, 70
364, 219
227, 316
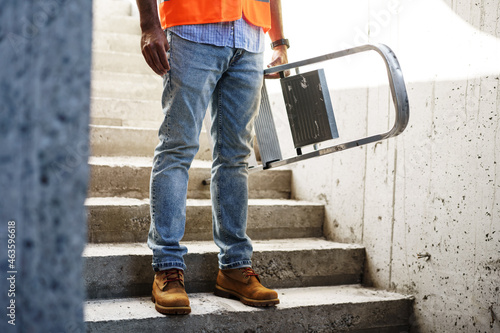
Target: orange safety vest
183, 12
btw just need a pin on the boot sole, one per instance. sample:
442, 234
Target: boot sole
226, 293
171, 310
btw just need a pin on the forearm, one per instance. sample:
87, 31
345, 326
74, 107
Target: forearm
276, 31
154, 44
148, 12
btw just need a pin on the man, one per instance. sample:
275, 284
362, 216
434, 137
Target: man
210, 54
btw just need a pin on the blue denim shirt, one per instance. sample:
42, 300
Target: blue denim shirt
236, 34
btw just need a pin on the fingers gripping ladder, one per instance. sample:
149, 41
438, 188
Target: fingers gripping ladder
309, 124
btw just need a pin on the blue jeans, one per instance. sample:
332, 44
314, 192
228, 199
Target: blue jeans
227, 81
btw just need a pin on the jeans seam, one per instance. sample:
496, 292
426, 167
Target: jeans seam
219, 152
153, 211
170, 58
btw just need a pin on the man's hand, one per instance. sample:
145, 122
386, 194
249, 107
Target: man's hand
154, 46
279, 58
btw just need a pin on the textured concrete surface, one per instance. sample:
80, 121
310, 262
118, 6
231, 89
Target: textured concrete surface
130, 176
116, 24
128, 86
133, 141
112, 8
124, 91
435, 189
118, 42
318, 309
121, 112
128, 219
45, 50
122, 141
119, 62
125, 269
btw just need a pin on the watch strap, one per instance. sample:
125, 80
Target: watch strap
280, 42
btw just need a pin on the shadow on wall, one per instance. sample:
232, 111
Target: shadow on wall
477, 16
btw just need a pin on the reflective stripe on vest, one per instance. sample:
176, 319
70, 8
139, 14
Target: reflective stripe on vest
182, 12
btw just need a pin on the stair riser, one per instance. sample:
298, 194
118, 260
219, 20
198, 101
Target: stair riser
121, 224
117, 24
133, 182
147, 90
115, 141
121, 42
112, 7
112, 141
131, 275
375, 317
120, 99
122, 112
120, 63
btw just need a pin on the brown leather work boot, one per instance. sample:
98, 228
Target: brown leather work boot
169, 294
244, 284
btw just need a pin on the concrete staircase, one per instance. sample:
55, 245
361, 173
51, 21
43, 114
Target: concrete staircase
319, 281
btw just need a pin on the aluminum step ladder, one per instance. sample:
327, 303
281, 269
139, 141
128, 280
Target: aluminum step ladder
311, 124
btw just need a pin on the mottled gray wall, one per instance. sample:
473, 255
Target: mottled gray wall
44, 114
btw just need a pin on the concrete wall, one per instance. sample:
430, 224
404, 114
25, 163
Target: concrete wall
44, 117
434, 190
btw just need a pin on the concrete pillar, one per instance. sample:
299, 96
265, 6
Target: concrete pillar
45, 49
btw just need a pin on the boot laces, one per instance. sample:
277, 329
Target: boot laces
173, 275
248, 271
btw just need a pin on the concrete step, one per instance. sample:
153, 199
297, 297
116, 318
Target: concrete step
120, 62
122, 141
122, 99
314, 309
116, 42
130, 176
112, 8
133, 141
116, 24
116, 220
124, 270
123, 112
127, 86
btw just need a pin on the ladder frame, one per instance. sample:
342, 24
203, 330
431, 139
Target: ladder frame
398, 92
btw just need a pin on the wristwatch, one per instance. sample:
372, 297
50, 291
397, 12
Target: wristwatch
280, 42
